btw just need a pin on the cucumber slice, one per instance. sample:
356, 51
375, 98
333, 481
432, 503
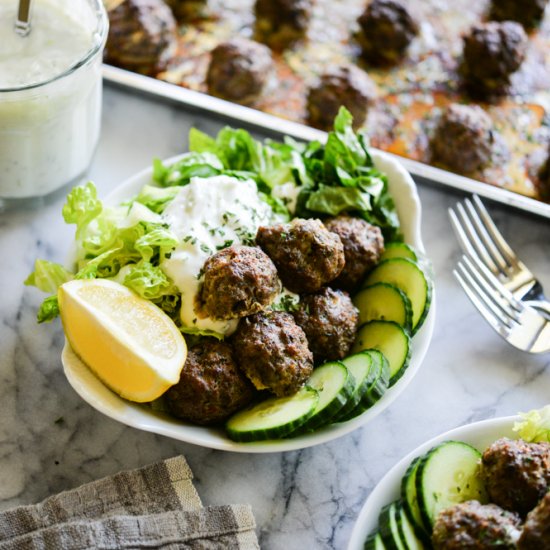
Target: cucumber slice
389, 531
398, 250
273, 418
383, 301
381, 383
407, 276
448, 474
335, 385
361, 368
405, 529
389, 338
374, 542
378, 380
410, 501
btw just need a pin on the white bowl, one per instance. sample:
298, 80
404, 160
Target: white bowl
403, 189
479, 434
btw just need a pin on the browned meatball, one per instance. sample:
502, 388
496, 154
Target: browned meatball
544, 179
306, 254
527, 12
516, 473
492, 53
238, 280
474, 526
386, 29
211, 386
272, 351
142, 36
363, 245
187, 10
464, 139
346, 86
329, 320
239, 70
536, 529
281, 23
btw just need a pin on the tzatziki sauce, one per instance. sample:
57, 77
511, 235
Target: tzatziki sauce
207, 215
50, 94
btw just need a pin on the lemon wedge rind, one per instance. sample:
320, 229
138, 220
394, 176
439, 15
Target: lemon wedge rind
129, 343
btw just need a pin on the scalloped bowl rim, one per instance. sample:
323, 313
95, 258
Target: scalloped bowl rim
403, 190
478, 434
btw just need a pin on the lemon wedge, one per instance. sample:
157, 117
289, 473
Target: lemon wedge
130, 344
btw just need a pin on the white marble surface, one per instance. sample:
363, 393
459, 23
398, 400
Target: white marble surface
50, 440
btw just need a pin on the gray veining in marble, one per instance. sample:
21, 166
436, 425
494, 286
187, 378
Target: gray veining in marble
51, 440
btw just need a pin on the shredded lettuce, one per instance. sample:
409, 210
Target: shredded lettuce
48, 276
191, 165
156, 198
82, 207
535, 425
128, 242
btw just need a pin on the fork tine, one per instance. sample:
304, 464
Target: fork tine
476, 248
486, 237
495, 234
486, 293
495, 283
461, 234
491, 291
485, 311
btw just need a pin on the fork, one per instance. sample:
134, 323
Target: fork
479, 237
518, 323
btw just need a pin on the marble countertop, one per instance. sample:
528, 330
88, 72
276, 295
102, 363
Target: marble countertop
50, 440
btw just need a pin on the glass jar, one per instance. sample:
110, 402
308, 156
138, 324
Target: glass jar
50, 95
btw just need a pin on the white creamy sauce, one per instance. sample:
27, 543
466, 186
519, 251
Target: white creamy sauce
55, 43
47, 133
288, 193
207, 215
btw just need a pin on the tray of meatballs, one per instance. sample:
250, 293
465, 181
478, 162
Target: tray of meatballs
459, 90
482, 485
294, 275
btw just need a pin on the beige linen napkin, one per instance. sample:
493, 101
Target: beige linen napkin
152, 507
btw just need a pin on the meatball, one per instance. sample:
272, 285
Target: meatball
474, 526
239, 70
363, 246
346, 86
329, 320
464, 139
536, 529
272, 351
306, 254
186, 10
516, 473
386, 29
527, 12
544, 179
142, 36
238, 280
492, 53
281, 23
211, 386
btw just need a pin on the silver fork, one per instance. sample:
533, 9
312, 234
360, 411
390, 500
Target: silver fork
518, 323
479, 237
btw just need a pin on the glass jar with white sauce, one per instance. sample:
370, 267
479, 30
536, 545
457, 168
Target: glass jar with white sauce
50, 96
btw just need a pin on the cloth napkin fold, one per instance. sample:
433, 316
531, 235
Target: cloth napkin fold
156, 506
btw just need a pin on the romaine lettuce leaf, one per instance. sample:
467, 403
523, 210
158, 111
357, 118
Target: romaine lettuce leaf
82, 206
48, 276
156, 198
345, 179
149, 281
192, 164
535, 425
